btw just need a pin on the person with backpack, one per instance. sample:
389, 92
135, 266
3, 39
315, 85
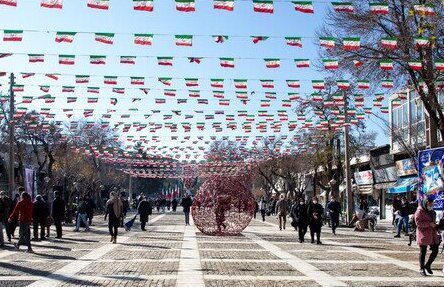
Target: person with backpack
40, 213
82, 215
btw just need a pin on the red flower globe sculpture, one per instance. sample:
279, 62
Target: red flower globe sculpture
223, 206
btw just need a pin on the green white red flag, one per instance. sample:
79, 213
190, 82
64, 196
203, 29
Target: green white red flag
184, 40
217, 83
379, 8
169, 93
257, 39
119, 91
195, 60
224, 102
363, 84
220, 38
304, 6
226, 62
227, 5
137, 81
318, 84
27, 100
55, 4
439, 65
68, 89
194, 93
12, 35
343, 84
92, 100
386, 65
143, 39
110, 80
105, 38
44, 88
272, 63
93, 90
295, 84
27, 75
267, 84
389, 43
424, 9
165, 61
294, 41
97, 60
218, 94
143, 5
421, 42
191, 82
415, 65
302, 63
82, 79
330, 64
185, 5
166, 81
240, 83
346, 7
351, 44
294, 96
113, 101
12, 3
327, 42
263, 6
387, 84
67, 59
128, 60
65, 37
36, 58
160, 101
18, 88
98, 4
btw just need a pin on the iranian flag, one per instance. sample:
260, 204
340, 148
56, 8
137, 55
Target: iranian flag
194, 93
242, 95
346, 7
98, 4
227, 62
12, 35
12, 3
240, 83
217, 83
113, 101
270, 95
105, 38
304, 6
351, 44
294, 96
65, 37
119, 91
263, 6
218, 94
386, 65
165, 81
195, 60
295, 84
220, 38
143, 5
343, 84
137, 81
169, 93
379, 8
387, 84
415, 65
44, 89
92, 100
363, 84
165, 61
424, 9
184, 40
267, 84
27, 100
97, 60
82, 79
143, 39
68, 89
227, 5
36, 58
318, 84
224, 102
185, 5
56, 4
27, 75
389, 43
294, 41
421, 42
330, 64
257, 39
327, 42
265, 103
317, 97
439, 65
128, 60
93, 90
272, 63
302, 63
110, 80
191, 82
18, 88
67, 59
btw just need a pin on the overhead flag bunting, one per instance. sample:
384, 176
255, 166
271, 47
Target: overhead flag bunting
65, 37
424, 9
165, 61
110, 80
293, 84
421, 42
439, 65
82, 79
12, 35
351, 44
139, 81
185, 5
346, 7
220, 38
143, 39
327, 42
67, 59
191, 82
386, 65
240, 84
358, 63
330, 64
318, 84
263, 6
363, 84
55, 4
389, 43
105, 38
272, 62
166, 81
195, 60
227, 62
97, 60
184, 40
415, 65
294, 41
143, 5
379, 8
257, 39
302, 63
128, 60
304, 6
227, 5
98, 4
12, 3
36, 58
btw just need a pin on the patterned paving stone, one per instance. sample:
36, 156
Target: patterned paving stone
15, 283
226, 254
130, 268
365, 269
133, 282
222, 245
261, 283
29, 268
126, 254
339, 255
248, 268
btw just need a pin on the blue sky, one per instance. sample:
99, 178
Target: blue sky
121, 18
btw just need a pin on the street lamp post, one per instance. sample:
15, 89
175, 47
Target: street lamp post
348, 185
11, 135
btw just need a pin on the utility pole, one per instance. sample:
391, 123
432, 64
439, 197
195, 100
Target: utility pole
348, 184
11, 135
130, 187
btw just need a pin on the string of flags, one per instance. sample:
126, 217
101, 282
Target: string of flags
376, 8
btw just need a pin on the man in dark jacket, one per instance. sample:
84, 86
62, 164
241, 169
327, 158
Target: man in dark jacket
300, 215
125, 206
186, 204
6, 203
174, 204
90, 207
40, 213
58, 213
145, 209
315, 211
403, 212
334, 209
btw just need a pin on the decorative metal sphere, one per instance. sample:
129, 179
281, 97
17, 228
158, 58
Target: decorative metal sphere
223, 205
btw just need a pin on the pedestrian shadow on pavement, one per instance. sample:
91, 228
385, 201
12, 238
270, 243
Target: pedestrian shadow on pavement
56, 257
145, 246
74, 240
53, 247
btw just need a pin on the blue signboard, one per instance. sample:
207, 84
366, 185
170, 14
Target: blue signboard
431, 176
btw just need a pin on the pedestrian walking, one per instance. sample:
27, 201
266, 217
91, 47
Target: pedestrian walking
3, 213
90, 207
281, 211
14, 223
114, 209
82, 215
300, 215
7, 210
395, 207
49, 219
145, 209
125, 207
40, 213
256, 208
186, 204
174, 204
403, 212
23, 213
334, 210
426, 235
58, 213
315, 211
263, 208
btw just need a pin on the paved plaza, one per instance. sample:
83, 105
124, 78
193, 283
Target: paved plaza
171, 254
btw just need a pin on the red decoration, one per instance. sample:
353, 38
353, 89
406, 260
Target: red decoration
223, 206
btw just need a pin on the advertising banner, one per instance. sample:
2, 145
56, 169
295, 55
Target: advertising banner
431, 176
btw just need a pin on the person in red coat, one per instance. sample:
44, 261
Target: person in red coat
23, 211
426, 235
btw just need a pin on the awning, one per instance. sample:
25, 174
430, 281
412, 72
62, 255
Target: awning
404, 184
385, 185
365, 189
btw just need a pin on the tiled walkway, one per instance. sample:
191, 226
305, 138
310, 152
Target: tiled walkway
170, 254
